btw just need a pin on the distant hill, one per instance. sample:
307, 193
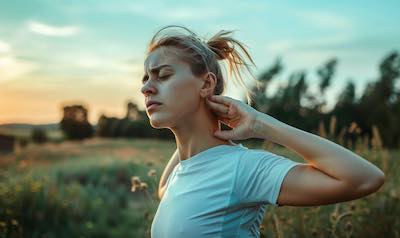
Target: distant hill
23, 130
52, 126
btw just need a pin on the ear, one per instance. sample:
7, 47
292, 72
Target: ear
209, 84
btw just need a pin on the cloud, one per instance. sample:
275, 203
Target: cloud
158, 11
324, 19
114, 65
4, 47
280, 46
176, 12
329, 43
185, 13
11, 67
49, 30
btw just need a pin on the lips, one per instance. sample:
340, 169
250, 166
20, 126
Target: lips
151, 102
152, 106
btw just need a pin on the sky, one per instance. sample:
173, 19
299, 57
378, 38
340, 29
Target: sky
56, 53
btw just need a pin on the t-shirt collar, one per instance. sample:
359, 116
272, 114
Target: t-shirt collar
213, 149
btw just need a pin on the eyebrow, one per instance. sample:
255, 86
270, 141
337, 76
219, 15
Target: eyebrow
154, 70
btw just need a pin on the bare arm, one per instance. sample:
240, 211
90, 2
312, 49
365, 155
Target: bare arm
167, 171
333, 174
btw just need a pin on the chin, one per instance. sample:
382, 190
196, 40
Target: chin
156, 125
157, 122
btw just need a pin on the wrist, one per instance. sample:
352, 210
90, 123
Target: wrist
267, 127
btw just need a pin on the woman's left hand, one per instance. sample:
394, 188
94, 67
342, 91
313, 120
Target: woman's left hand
234, 113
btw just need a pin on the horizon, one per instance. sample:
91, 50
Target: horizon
55, 54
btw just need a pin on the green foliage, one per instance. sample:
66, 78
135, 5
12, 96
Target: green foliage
39, 135
371, 216
295, 104
80, 196
86, 201
127, 128
75, 124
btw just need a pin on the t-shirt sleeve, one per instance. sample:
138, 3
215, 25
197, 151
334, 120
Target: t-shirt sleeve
260, 175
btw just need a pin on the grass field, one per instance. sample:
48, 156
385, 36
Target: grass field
83, 189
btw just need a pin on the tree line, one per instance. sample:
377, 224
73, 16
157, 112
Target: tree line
294, 104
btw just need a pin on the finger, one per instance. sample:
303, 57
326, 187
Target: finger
225, 134
230, 111
230, 121
217, 107
222, 99
238, 133
224, 112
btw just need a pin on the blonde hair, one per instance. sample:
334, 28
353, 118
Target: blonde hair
203, 56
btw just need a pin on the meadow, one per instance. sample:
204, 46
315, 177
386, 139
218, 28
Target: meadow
108, 188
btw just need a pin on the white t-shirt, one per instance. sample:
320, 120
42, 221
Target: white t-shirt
220, 192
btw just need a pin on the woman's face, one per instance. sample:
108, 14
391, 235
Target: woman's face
170, 81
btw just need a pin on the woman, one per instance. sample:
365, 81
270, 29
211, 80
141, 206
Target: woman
213, 187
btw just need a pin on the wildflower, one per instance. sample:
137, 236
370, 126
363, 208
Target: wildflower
135, 180
137, 185
143, 186
334, 216
348, 227
14, 222
134, 188
352, 206
152, 172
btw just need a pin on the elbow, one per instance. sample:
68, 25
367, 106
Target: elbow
374, 183
380, 179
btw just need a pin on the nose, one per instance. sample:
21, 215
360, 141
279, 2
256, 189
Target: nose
148, 88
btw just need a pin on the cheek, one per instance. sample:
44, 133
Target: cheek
182, 100
184, 96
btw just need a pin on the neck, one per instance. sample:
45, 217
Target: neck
197, 134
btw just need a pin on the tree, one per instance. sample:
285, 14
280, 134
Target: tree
75, 124
38, 135
379, 103
325, 74
260, 99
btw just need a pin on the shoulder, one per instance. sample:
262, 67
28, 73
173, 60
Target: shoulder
264, 160
258, 154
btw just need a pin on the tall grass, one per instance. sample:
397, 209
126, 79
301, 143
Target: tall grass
371, 216
108, 188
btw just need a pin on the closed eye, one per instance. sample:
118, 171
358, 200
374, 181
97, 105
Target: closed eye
164, 76
146, 77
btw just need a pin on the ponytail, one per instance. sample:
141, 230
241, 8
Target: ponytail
223, 45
